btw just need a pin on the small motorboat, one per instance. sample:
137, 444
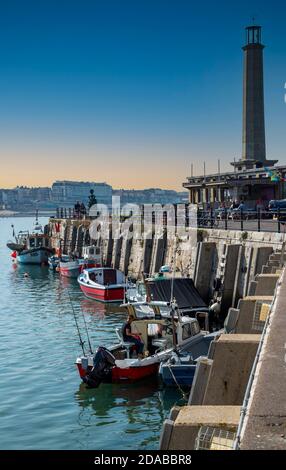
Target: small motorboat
180, 368
70, 266
103, 284
31, 248
54, 262
116, 363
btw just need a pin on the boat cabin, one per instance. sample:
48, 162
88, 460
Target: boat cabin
103, 276
33, 240
38, 241
157, 335
91, 252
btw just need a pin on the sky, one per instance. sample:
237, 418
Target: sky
131, 92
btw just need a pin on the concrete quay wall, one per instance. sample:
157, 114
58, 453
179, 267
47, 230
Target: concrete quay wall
223, 400
205, 255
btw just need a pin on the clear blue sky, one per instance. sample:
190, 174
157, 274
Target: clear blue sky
131, 91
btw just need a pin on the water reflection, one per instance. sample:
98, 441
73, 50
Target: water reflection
110, 395
139, 408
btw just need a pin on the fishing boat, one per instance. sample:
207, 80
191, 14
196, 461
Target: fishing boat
31, 248
71, 266
103, 284
158, 292
116, 363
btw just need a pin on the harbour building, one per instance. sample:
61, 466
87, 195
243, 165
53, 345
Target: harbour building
254, 177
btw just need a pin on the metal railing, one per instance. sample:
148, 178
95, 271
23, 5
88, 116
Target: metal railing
243, 220
224, 219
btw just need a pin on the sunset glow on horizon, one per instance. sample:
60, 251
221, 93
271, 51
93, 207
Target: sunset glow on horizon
130, 93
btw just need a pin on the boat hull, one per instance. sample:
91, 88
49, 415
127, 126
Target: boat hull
39, 257
103, 293
174, 375
74, 268
133, 374
70, 271
127, 375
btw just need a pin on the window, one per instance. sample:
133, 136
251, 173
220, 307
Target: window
186, 331
141, 289
195, 327
155, 329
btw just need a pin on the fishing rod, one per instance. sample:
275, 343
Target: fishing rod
86, 330
81, 342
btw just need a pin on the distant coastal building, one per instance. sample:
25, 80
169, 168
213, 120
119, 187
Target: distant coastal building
254, 178
150, 196
8, 198
66, 193
24, 198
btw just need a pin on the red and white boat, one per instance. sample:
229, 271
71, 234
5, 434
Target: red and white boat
125, 370
116, 363
103, 284
73, 267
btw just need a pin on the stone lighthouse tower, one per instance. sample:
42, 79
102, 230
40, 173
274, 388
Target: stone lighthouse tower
253, 125
253, 135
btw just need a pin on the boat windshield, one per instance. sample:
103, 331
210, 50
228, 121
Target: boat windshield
40, 241
141, 289
32, 242
190, 329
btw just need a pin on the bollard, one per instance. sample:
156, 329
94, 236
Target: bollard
241, 220
212, 217
258, 219
225, 218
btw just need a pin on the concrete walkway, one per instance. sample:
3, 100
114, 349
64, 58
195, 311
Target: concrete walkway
265, 422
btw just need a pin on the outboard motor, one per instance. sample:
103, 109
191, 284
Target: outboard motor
103, 361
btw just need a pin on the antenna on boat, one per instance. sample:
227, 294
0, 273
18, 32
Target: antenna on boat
147, 287
173, 310
173, 275
81, 342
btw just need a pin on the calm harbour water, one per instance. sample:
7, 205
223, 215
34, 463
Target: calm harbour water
43, 404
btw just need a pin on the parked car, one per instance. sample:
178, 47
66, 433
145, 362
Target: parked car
246, 213
277, 204
277, 207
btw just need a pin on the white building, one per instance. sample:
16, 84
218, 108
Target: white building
67, 193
